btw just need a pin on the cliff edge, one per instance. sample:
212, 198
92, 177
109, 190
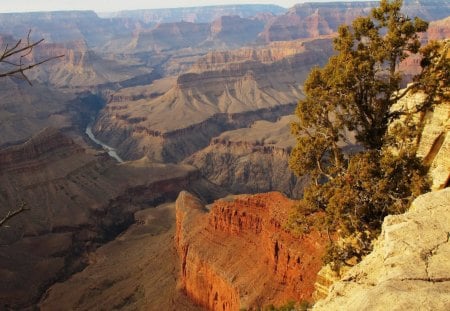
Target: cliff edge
408, 268
238, 254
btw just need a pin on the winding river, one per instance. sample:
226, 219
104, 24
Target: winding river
111, 151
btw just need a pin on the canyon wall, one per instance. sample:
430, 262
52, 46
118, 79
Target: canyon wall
137, 271
77, 198
252, 160
238, 255
205, 14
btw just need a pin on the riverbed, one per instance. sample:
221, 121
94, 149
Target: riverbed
110, 150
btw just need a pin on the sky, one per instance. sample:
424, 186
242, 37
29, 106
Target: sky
117, 5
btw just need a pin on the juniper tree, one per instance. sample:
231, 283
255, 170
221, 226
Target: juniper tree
354, 95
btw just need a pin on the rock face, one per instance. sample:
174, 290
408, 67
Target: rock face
435, 145
239, 256
439, 30
81, 67
77, 198
182, 118
408, 268
26, 110
167, 36
251, 160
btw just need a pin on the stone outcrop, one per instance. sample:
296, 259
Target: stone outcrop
238, 255
434, 145
408, 268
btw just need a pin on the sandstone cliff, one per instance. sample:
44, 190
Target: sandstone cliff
434, 148
434, 143
238, 255
408, 268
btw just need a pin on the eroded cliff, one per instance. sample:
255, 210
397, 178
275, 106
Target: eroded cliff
238, 255
251, 160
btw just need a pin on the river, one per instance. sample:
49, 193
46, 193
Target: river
111, 151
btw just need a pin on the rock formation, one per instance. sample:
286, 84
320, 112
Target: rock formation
434, 144
251, 160
238, 255
408, 268
182, 118
368, 282
26, 110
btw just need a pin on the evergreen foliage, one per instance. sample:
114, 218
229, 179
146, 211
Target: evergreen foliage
351, 100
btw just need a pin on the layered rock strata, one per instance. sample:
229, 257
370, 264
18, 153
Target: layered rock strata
77, 199
238, 255
251, 160
182, 118
408, 268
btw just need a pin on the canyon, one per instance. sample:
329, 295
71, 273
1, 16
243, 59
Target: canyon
173, 118
77, 198
197, 102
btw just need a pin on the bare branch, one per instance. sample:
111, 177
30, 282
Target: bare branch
19, 53
22, 207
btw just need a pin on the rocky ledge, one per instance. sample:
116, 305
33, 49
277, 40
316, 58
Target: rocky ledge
408, 268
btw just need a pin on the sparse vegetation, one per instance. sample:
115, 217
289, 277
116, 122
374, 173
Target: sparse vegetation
354, 95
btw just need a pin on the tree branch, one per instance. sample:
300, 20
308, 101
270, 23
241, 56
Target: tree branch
18, 53
22, 207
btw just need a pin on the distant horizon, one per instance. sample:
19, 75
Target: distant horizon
103, 6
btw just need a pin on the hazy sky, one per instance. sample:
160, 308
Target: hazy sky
115, 5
